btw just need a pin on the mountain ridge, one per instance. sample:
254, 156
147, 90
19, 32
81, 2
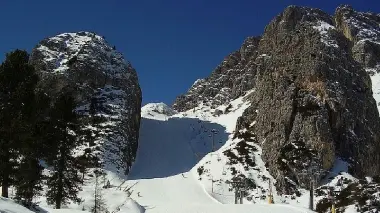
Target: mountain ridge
313, 101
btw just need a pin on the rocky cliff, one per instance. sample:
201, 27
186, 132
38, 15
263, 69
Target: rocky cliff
313, 99
363, 32
314, 103
106, 90
230, 80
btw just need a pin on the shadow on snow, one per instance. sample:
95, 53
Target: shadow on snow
174, 146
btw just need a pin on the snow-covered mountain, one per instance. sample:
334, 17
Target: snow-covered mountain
172, 148
294, 106
230, 80
157, 110
312, 113
103, 82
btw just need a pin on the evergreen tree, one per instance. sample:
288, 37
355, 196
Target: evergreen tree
65, 181
92, 112
29, 183
99, 203
17, 84
28, 180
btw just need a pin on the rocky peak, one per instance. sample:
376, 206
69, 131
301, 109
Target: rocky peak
78, 54
249, 48
294, 15
356, 25
363, 30
100, 78
228, 81
312, 101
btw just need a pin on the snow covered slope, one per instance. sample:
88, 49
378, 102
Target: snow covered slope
165, 178
376, 88
157, 111
8, 206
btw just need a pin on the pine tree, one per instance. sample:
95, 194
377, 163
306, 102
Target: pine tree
29, 183
92, 112
65, 181
17, 84
99, 203
28, 180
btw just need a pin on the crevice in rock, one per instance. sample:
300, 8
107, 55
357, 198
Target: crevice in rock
334, 128
289, 126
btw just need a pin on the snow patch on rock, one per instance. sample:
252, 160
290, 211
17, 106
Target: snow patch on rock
323, 28
157, 111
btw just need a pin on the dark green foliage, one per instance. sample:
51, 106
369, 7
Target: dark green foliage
251, 183
246, 155
64, 182
232, 158
240, 181
228, 109
246, 135
29, 176
91, 133
323, 205
362, 194
200, 170
292, 156
17, 96
246, 151
28, 181
233, 170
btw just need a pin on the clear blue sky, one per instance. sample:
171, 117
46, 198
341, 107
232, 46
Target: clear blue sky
171, 43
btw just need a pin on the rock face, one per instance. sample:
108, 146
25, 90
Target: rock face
228, 81
313, 99
104, 82
363, 30
314, 102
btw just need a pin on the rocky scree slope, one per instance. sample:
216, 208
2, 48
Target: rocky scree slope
313, 99
105, 87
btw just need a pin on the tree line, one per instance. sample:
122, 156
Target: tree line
38, 135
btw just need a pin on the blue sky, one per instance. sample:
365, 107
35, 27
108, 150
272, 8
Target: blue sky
171, 43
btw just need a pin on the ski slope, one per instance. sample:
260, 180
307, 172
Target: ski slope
8, 206
164, 176
164, 159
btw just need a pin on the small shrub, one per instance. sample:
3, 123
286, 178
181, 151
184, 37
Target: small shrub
228, 108
200, 170
233, 171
